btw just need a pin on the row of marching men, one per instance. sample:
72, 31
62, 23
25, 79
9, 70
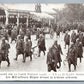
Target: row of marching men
15, 32
22, 47
75, 44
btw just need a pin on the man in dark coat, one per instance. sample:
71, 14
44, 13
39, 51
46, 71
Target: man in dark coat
13, 35
51, 60
5, 34
21, 33
80, 36
73, 37
58, 49
79, 49
28, 34
5, 50
19, 47
41, 44
37, 33
72, 56
58, 31
27, 49
9, 27
83, 41
53, 57
67, 39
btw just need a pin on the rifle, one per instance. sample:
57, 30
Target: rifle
34, 47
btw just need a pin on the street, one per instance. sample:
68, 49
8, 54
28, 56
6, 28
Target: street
38, 64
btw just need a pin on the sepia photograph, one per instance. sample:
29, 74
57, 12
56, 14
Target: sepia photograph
42, 37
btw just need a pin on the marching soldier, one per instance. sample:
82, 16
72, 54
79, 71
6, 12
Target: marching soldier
58, 52
27, 49
73, 37
19, 47
67, 39
21, 33
5, 34
51, 60
79, 49
13, 35
28, 33
53, 57
37, 34
41, 44
83, 41
9, 27
5, 50
80, 36
72, 56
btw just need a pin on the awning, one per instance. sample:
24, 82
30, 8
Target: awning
42, 15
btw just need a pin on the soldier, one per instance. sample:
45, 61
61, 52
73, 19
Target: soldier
19, 47
9, 29
27, 49
58, 52
83, 41
51, 60
21, 33
51, 33
5, 50
28, 33
5, 34
58, 31
41, 44
73, 37
80, 36
37, 34
72, 57
53, 57
79, 49
13, 35
67, 39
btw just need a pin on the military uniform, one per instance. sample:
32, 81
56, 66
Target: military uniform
14, 35
80, 36
73, 37
53, 57
79, 50
58, 31
41, 44
37, 34
21, 33
27, 49
51, 61
72, 56
28, 34
19, 47
67, 39
4, 51
5, 34
83, 41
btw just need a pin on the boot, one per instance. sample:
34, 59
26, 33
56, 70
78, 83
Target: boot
8, 64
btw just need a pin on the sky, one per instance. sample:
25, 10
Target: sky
31, 7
